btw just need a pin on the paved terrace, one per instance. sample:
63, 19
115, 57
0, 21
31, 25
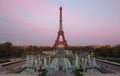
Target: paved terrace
101, 75
15, 75
62, 74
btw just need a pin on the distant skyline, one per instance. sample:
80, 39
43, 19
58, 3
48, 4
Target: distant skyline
36, 22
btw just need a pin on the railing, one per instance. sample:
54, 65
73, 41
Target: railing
114, 63
12, 62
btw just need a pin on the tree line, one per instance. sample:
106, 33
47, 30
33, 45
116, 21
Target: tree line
111, 52
8, 50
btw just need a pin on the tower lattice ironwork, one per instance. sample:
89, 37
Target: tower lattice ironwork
60, 33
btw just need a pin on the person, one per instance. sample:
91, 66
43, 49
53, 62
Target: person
40, 67
80, 66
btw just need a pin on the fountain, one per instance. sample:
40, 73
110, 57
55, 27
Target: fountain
77, 61
45, 63
85, 62
49, 60
33, 63
68, 63
94, 62
27, 60
62, 63
59, 62
89, 60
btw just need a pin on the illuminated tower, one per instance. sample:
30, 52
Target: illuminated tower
60, 33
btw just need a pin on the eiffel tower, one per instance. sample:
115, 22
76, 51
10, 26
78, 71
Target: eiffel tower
60, 33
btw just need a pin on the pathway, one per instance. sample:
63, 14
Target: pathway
60, 73
11, 67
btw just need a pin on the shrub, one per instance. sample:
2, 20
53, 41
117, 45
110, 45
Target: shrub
78, 73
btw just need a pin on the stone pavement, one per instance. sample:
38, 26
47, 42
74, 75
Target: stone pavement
10, 68
101, 75
60, 73
15, 75
57, 73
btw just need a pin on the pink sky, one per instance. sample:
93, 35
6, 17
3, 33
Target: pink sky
36, 22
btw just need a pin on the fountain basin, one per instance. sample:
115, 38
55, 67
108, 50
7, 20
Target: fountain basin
29, 70
93, 71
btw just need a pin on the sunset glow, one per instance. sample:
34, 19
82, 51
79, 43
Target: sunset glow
36, 22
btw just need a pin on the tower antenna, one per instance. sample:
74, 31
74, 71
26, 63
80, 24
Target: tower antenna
60, 2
